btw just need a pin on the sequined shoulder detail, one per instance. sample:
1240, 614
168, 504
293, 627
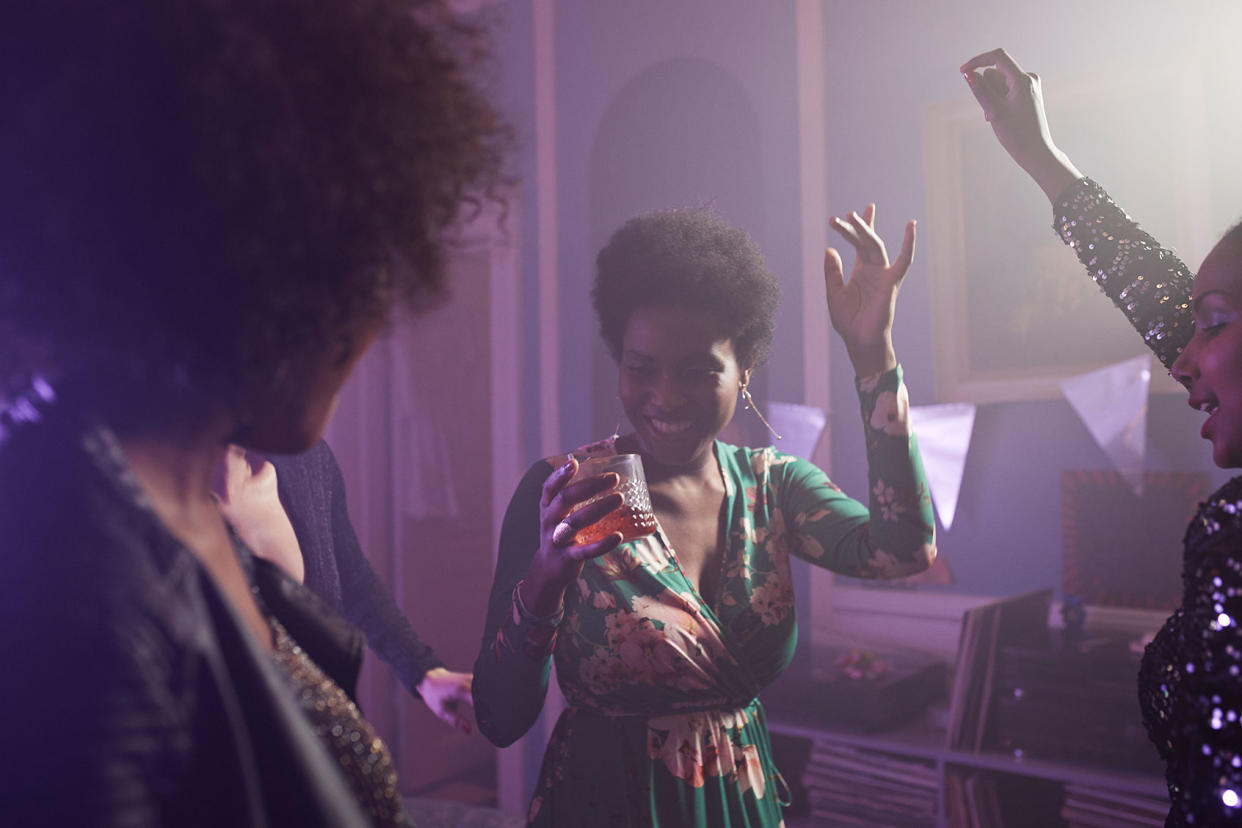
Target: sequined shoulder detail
1189, 680
1149, 283
349, 738
1219, 515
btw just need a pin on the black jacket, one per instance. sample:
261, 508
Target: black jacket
133, 694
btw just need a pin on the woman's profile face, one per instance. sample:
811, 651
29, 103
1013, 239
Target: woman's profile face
678, 382
1211, 365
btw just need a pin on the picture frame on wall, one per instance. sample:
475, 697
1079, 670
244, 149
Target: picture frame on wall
1013, 311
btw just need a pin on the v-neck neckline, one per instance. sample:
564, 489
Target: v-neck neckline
726, 508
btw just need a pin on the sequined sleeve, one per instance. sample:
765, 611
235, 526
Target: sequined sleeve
1204, 749
1147, 282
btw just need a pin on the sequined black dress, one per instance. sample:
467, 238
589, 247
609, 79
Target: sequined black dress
1190, 689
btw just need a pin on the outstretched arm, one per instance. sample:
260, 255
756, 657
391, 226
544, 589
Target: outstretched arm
1147, 282
367, 604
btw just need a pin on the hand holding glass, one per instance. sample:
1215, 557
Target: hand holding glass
634, 519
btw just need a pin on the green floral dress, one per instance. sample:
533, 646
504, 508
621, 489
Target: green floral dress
664, 727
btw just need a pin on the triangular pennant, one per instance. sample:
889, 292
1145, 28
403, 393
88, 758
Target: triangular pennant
1112, 403
944, 433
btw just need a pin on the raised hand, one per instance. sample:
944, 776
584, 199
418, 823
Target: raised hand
559, 560
1013, 103
447, 695
245, 489
862, 309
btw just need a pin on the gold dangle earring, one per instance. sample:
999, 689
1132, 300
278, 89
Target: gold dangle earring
749, 403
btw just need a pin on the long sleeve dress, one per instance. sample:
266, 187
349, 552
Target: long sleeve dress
312, 490
1190, 689
664, 727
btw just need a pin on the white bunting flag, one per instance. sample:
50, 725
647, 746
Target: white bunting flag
1112, 403
943, 432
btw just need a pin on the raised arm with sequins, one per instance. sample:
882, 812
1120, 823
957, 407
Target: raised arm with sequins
1147, 282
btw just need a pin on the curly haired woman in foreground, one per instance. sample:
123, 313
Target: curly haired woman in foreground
207, 210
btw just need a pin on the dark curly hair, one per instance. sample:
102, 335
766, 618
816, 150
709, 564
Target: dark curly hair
201, 191
687, 258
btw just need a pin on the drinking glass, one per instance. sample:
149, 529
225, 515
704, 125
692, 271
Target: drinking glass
634, 519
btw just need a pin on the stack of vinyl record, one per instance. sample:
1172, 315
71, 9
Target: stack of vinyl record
1018, 621
1074, 703
856, 786
1087, 807
972, 800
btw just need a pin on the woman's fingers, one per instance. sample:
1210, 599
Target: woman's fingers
587, 551
568, 493
447, 695
845, 229
556, 481
991, 86
861, 237
906, 255
870, 246
584, 516
999, 85
982, 94
834, 272
860, 232
999, 58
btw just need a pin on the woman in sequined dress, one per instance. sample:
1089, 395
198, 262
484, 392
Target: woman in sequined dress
662, 644
207, 210
1189, 683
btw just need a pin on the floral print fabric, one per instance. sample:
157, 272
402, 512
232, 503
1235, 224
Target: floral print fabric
664, 726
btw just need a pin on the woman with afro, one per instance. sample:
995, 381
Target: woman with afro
662, 644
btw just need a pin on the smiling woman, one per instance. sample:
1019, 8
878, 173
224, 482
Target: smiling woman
1210, 366
662, 644
678, 383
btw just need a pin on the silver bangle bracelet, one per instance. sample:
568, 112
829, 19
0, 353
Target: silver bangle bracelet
551, 620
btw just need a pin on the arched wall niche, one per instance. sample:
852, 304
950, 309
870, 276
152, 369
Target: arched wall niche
682, 132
